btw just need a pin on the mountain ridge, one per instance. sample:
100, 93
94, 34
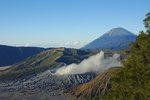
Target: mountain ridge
11, 54
47, 59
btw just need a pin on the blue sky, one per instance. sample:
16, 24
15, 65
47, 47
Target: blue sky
70, 23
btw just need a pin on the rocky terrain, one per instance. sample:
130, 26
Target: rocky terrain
45, 82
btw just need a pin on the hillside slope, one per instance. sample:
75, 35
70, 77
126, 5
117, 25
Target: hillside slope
94, 89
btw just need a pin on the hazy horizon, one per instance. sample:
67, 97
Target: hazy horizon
49, 23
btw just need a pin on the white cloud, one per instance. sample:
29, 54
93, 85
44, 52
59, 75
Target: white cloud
74, 44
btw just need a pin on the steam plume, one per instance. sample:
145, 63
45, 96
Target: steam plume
96, 63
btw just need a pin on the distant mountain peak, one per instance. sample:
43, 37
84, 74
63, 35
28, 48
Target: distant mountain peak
118, 28
115, 39
119, 31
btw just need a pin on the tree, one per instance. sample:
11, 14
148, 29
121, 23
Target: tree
132, 82
147, 21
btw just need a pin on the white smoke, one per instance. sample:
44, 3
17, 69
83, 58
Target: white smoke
96, 63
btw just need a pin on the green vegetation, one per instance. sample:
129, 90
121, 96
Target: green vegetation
132, 82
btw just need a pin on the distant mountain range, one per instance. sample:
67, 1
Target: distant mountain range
10, 55
115, 39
